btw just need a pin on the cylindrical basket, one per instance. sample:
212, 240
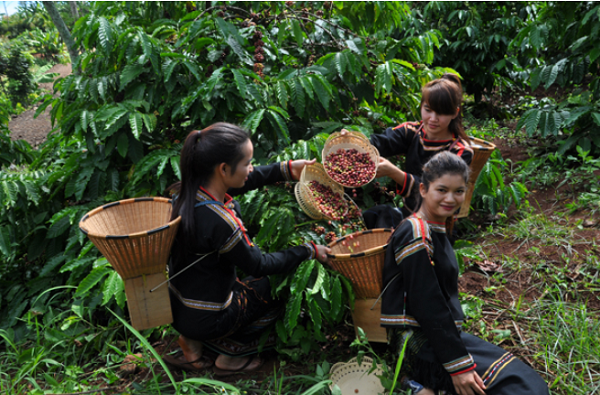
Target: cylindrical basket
348, 141
136, 236
305, 197
482, 150
359, 257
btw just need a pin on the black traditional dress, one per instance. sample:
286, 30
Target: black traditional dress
409, 139
420, 303
209, 302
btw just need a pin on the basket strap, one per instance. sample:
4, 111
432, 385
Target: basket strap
182, 270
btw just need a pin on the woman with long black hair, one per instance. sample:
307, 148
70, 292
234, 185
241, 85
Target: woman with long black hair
211, 306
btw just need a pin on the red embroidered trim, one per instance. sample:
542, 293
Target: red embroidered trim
464, 371
314, 246
229, 199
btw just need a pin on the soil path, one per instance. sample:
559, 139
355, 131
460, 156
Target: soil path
34, 130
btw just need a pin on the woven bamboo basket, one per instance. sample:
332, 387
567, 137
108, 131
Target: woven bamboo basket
136, 236
348, 141
482, 150
305, 197
362, 263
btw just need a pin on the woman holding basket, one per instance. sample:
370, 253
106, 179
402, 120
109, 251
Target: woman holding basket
440, 129
211, 307
420, 303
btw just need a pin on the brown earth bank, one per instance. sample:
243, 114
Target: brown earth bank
34, 130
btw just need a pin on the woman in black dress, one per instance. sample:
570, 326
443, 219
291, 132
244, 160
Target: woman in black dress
420, 299
211, 306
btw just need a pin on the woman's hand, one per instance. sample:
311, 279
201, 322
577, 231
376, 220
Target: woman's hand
322, 252
468, 383
387, 169
298, 166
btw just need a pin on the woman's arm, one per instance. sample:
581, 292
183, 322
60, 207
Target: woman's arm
270, 174
395, 141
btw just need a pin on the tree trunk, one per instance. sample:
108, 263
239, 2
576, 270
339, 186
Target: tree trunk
63, 30
74, 11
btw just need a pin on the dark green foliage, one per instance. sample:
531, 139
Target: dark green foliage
16, 69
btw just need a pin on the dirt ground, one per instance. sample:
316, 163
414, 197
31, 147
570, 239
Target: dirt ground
34, 130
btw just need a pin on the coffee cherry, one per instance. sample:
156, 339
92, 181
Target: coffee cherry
331, 204
350, 167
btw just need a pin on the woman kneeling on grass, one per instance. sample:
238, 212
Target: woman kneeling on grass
211, 307
420, 300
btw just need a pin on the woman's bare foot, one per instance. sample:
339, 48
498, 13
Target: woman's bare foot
248, 363
192, 351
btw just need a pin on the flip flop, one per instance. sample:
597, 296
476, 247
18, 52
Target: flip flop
225, 372
178, 361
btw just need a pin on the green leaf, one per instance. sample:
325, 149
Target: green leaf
129, 73
315, 313
335, 298
341, 64
105, 35
91, 279
282, 93
123, 144
292, 311
240, 82
281, 333
253, 120
322, 90
297, 32
596, 118
279, 125
112, 285
194, 69
82, 180
298, 100
59, 227
119, 113
308, 86
302, 276
319, 281
175, 166
136, 124
5, 244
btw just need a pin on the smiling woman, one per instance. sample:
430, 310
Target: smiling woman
420, 303
440, 129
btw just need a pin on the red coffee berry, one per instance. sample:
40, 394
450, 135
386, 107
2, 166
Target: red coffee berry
350, 167
331, 204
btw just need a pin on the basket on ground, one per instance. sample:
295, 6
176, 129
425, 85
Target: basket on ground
305, 196
482, 150
135, 236
348, 141
359, 257
352, 378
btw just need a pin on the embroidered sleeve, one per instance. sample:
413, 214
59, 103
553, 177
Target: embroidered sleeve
407, 188
462, 149
394, 141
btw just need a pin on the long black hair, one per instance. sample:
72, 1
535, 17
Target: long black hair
438, 166
202, 151
444, 96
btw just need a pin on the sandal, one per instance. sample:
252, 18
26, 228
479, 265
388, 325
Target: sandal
225, 372
178, 361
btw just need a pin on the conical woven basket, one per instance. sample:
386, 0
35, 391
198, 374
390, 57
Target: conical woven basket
482, 150
348, 141
359, 257
304, 195
136, 236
